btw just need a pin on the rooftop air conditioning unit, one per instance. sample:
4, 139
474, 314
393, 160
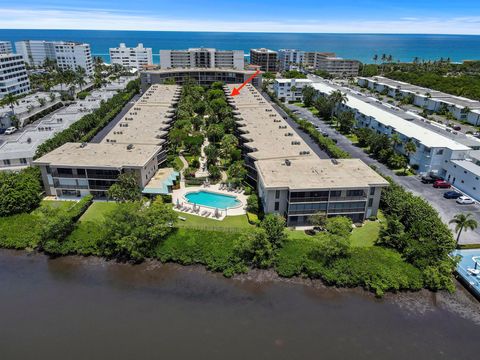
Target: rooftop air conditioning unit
130, 146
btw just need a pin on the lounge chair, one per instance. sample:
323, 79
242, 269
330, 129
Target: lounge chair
473, 271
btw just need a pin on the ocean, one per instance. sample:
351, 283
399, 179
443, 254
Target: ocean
362, 47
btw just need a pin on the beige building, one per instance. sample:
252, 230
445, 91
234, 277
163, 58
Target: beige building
265, 58
202, 58
331, 64
137, 143
291, 179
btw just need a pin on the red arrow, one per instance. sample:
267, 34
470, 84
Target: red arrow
236, 91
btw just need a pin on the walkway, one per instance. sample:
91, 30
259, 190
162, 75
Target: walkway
182, 177
202, 169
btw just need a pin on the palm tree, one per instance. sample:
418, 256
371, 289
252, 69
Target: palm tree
410, 148
375, 58
336, 98
463, 221
395, 139
80, 77
10, 100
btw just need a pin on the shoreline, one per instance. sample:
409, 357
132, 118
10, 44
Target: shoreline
461, 303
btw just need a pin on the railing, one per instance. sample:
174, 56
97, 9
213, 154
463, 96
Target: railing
55, 174
342, 211
73, 187
348, 198
308, 199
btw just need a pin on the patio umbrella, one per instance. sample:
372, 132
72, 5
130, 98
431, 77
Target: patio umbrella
217, 214
178, 203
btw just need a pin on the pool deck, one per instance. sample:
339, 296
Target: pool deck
186, 207
466, 268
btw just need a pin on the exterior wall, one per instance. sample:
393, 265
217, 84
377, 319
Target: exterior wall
463, 179
69, 56
6, 47
131, 57
13, 75
35, 52
202, 77
290, 57
202, 58
283, 90
266, 59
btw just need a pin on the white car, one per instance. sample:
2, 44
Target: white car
465, 200
10, 130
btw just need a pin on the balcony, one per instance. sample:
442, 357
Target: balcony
308, 199
349, 198
55, 174
73, 187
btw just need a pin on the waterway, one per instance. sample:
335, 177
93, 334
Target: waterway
87, 308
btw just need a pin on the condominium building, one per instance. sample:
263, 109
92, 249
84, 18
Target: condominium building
6, 47
35, 52
13, 75
331, 64
131, 57
290, 90
68, 55
291, 179
290, 59
202, 76
431, 100
202, 58
266, 59
71, 55
137, 143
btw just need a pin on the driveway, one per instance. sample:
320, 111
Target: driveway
446, 208
102, 133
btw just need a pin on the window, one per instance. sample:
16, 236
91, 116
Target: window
6, 162
336, 193
23, 161
355, 193
370, 202
277, 194
372, 191
277, 206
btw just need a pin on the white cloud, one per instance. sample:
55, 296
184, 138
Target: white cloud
91, 19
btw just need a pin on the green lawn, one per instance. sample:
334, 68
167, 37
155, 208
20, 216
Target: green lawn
299, 104
297, 234
64, 205
97, 211
353, 138
368, 233
313, 110
177, 164
229, 223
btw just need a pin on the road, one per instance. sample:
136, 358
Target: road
102, 133
446, 208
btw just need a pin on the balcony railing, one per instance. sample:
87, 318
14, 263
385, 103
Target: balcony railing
308, 199
55, 174
74, 187
348, 198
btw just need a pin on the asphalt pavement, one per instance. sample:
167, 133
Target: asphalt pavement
447, 208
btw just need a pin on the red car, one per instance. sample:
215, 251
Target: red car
441, 184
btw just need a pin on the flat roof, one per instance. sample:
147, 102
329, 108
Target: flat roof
315, 173
293, 80
409, 129
268, 135
434, 94
148, 121
99, 155
181, 69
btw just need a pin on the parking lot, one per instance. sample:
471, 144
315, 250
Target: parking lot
447, 208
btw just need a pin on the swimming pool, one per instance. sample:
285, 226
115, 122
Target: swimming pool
213, 200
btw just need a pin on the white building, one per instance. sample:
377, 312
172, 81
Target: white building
71, 55
131, 57
461, 108
35, 52
202, 58
289, 59
6, 47
290, 89
13, 75
68, 55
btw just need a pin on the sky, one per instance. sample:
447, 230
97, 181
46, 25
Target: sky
330, 16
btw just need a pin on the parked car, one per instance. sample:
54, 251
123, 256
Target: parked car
441, 184
430, 179
452, 195
465, 200
10, 130
457, 127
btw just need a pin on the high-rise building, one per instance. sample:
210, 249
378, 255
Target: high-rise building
13, 75
131, 57
202, 58
265, 58
71, 55
290, 58
332, 64
35, 52
68, 55
6, 47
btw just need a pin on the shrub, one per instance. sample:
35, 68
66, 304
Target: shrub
19, 191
